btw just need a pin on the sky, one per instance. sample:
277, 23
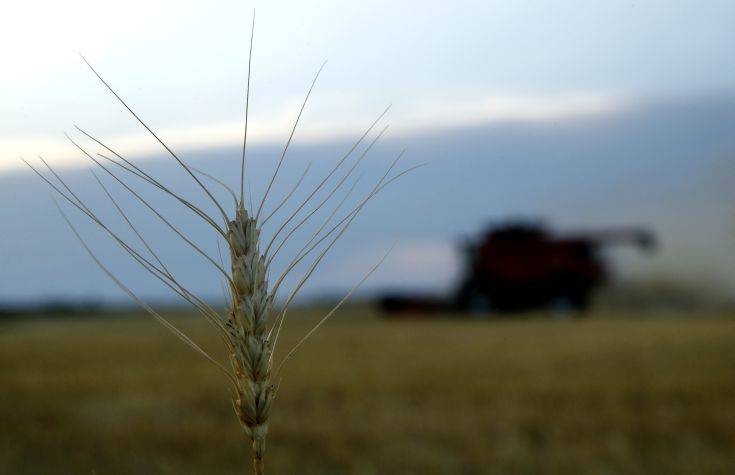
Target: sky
583, 113
182, 65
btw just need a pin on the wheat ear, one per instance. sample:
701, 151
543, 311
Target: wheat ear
249, 318
251, 327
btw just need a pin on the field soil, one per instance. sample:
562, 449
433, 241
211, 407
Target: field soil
606, 394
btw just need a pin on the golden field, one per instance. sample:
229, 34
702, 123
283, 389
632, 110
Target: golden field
607, 394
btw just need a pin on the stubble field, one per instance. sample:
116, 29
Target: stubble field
608, 394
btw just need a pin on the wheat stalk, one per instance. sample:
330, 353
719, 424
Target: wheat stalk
251, 327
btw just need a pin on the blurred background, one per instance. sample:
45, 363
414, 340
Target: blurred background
560, 292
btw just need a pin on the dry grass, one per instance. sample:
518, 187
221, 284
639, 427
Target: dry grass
608, 395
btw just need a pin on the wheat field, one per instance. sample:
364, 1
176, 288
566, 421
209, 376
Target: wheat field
608, 394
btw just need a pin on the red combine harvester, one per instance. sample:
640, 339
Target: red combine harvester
517, 267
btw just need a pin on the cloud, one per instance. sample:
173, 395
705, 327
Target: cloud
325, 125
513, 107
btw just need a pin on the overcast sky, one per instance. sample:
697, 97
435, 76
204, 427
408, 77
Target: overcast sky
182, 64
587, 113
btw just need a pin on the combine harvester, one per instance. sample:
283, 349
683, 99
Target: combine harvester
521, 267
